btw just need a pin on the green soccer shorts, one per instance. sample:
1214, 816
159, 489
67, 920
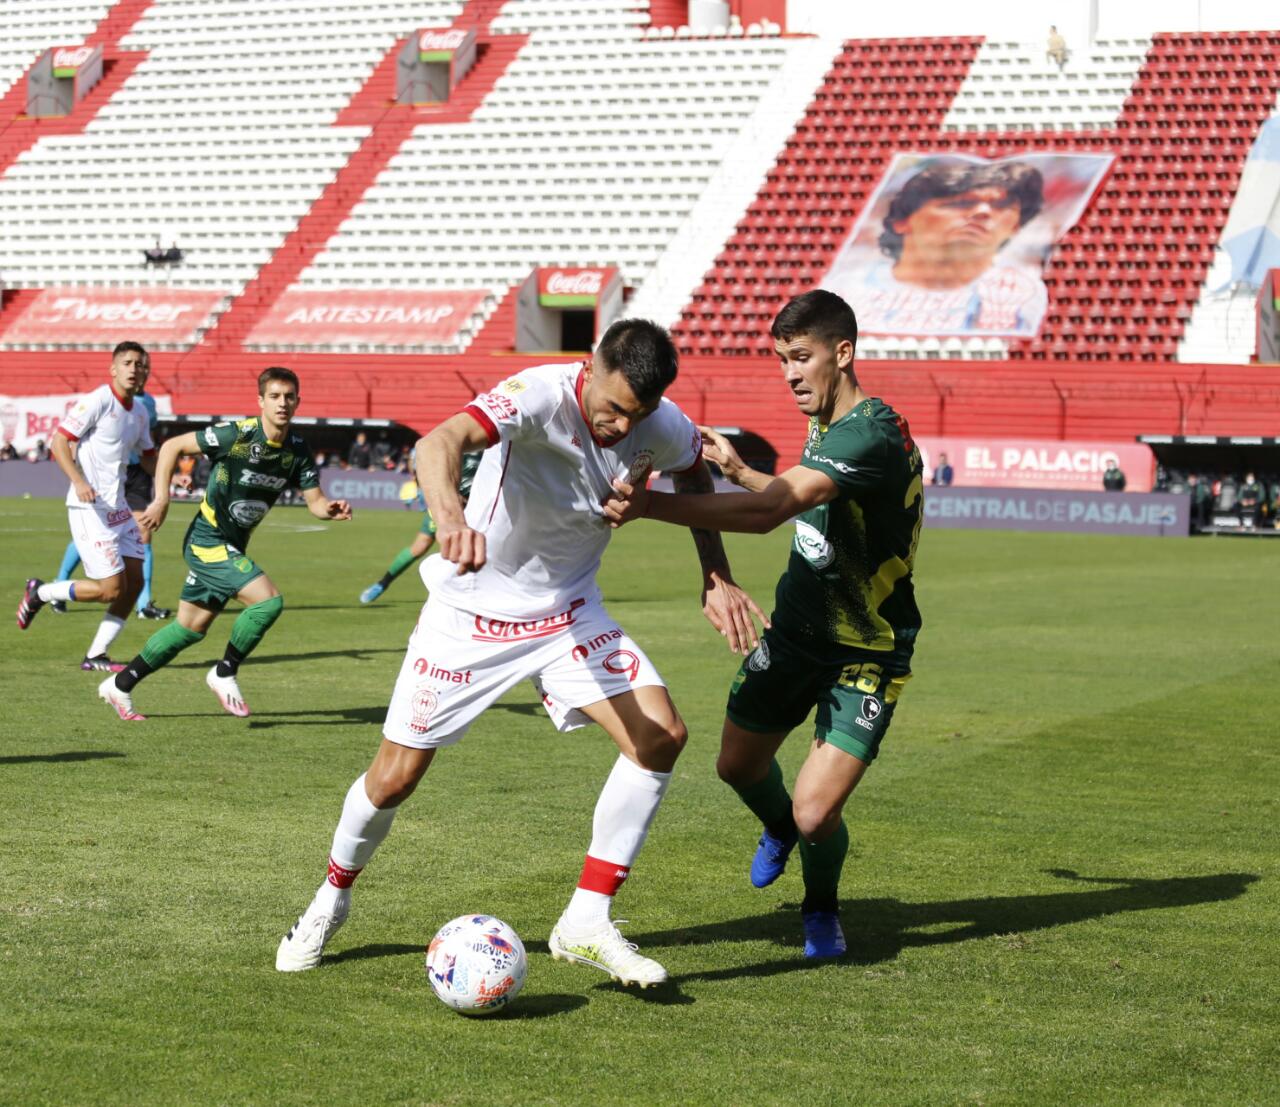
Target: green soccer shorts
855, 692
215, 574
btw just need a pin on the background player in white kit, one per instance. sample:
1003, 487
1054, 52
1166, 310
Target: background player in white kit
514, 596
107, 426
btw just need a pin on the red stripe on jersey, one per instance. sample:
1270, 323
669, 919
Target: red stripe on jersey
68, 435
487, 424
497, 495
605, 877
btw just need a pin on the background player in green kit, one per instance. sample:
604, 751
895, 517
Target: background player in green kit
254, 460
845, 620
426, 536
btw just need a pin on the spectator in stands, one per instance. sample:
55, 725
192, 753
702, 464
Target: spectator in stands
1249, 500
1201, 501
943, 474
159, 254
1056, 50
940, 240
323, 459
1275, 504
8, 453
1113, 479
360, 456
38, 452
382, 450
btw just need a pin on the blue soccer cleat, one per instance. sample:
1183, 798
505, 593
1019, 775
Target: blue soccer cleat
823, 937
372, 592
770, 859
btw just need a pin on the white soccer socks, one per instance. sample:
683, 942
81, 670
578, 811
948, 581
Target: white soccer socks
624, 812
108, 629
360, 831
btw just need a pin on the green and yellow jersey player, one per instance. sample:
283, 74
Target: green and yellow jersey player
845, 619
426, 536
254, 461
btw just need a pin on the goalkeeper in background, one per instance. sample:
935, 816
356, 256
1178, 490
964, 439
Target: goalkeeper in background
426, 536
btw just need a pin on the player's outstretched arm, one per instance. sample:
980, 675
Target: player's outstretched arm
783, 498
727, 607
166, 460
60, 447
324, 508
718, 449
439, 471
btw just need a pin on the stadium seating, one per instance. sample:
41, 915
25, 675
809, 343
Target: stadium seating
719, 172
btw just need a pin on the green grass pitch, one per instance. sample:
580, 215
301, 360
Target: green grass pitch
1062, 885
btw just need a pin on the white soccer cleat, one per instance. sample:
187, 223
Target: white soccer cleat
121, 701
608, 950
228, 693
303, 946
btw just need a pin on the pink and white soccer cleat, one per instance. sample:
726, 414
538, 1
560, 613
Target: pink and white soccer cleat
228, 693
121, 701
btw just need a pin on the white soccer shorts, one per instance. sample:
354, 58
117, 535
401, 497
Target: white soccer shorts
104, 538
458, 663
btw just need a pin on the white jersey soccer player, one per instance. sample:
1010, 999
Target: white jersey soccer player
107, 426
514, 597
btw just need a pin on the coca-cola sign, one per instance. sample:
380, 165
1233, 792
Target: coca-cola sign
70, 57
433, 42
573, 287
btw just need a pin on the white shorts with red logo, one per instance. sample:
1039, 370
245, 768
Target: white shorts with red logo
457, 664
104, 537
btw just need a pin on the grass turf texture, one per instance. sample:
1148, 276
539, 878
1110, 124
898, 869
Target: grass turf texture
1061, 886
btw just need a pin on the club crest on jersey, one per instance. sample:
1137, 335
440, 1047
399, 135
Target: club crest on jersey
812, 545
870, 708
255, 452
641, 466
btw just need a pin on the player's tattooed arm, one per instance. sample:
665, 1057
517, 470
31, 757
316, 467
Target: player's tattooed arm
727, 607
708, 543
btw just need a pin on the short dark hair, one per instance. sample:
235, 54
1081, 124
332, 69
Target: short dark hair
644, 353
128, 348
1022, 183
277, 373
819, 314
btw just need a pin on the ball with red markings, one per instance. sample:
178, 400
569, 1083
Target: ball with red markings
476, 964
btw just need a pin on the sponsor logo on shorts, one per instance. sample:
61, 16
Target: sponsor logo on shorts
622, 663
423, 706
121, 515
582, 651
191, 578
424, 667
248, 513
758, 662
501, 630
262, 480
864, 724
870, 708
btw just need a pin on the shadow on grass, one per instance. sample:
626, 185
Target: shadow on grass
338, 717
879, 929
375, 949
69, 755
356, 653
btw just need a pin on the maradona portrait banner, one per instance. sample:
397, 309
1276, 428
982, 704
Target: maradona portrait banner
950, 244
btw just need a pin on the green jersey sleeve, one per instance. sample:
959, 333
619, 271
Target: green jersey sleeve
217, 439
855, 455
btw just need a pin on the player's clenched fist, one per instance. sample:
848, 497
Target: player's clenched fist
463, 546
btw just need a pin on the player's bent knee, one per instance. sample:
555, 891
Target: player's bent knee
111, 589
658, 746
391, 788
815, 820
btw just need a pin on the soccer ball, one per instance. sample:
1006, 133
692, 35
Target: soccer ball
476, 964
